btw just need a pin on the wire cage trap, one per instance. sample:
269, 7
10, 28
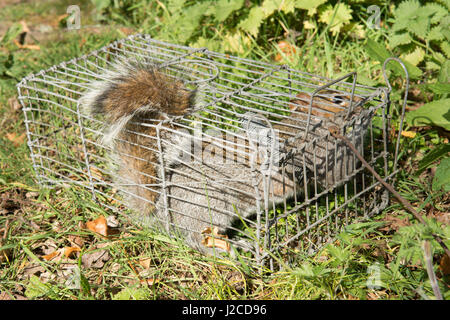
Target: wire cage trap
257, 162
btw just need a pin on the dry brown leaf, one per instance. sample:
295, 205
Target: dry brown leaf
145, 262
95, 259
31, 268
96, 173
444, 265
24, 26
53, 255
5, 296
394, 223
16, 140
14, 104
26, 46
285, 47
69, 251
76, 241
98, 225
111, 221
409, 134
213, 239
149, 281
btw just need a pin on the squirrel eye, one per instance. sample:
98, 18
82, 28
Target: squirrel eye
338, 99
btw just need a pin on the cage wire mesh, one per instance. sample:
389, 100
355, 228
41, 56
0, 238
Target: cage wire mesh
261, 154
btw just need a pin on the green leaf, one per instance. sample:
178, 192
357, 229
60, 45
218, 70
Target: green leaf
444, 74
404, 14
183, 24
442, 176
445, 27
269, 7
341, 254
435, 11
101, 4
336, 17
446, 3
11, 33
378, 52
224, 8
433, 156
435, 113
286, 6
36, 288
399, 39
175, 5
253, 21
435, 34
413, 17
445, 46
439, 88
310, 5
414, 57
132, 294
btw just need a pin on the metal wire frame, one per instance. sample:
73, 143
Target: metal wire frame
64, 144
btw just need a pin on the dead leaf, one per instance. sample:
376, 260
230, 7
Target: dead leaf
69, 251
286, 48
149, 281
16, 140
95, 259
96, 173
76, 241
394, 223
14, 104
53, 255
26, 46
98, 225
409, 134
444, 265
112, 222
32, 268
5, 296
215, 240
145, 262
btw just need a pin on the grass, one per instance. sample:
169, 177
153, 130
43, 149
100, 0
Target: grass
143, 264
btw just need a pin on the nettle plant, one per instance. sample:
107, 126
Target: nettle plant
231, 25
420, 33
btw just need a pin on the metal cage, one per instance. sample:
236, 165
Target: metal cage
300, 194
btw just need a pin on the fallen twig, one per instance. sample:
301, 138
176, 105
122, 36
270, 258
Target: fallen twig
430, 271
335, 133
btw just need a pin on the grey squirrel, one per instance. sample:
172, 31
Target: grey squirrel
200, 194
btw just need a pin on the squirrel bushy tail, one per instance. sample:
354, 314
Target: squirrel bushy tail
131, 94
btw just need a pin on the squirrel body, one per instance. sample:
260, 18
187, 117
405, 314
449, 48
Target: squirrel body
187, 197
199, 195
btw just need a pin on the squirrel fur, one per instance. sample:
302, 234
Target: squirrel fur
134, 93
